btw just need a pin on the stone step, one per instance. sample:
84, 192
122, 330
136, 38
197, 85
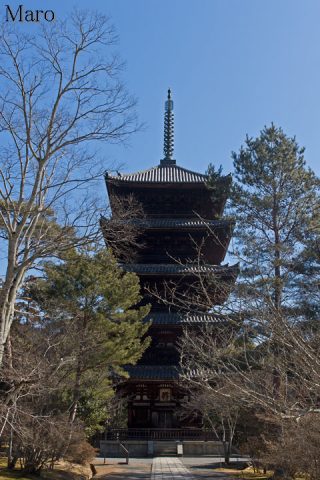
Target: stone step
165, 448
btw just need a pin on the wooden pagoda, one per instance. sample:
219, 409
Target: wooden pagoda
180, 212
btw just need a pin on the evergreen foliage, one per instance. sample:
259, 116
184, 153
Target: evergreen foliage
274, 199
268, 365
219, 184
89, 301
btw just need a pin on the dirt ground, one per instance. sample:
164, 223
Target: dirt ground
134, 471
201, 469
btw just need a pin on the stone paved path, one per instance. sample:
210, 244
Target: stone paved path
161, 468
169, 468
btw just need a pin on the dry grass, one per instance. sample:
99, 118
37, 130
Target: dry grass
246, 474
9, 475
62, 471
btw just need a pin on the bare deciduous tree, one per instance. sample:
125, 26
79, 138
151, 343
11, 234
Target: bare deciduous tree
60, 91
217, 408
272, 361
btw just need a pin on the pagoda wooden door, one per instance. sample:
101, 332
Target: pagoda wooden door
165, 419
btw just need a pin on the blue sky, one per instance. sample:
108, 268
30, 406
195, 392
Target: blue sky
233, 65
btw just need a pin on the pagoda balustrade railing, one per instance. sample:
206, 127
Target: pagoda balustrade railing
159, 434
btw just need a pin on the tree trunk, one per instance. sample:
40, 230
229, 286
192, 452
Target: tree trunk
226, 449
6, 318
12, 459
76, 393
77, 385
8, 295
2, 344
277, 256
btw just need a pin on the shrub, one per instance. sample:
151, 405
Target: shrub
80, 451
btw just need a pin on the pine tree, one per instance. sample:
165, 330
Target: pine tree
91, 304
269, 363
274, 198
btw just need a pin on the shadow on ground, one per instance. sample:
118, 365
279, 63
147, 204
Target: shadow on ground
52, 475
119, 471
124, 475
213, 466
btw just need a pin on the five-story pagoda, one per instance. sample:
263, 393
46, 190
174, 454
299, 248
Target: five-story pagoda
181, 212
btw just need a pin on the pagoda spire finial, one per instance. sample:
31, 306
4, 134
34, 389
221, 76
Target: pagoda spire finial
168, 132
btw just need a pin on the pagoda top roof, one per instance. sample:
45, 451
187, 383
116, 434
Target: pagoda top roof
166, 172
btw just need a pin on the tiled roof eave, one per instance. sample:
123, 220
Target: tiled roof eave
177, 269
187, 223
175, 223
161, 318
153, 372
160, 175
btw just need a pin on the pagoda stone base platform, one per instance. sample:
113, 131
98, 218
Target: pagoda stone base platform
150, 448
